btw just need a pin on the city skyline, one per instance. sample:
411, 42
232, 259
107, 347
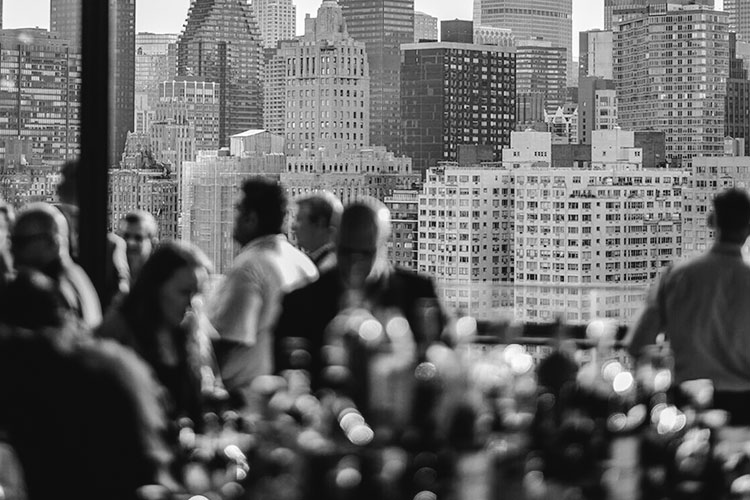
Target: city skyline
168, 16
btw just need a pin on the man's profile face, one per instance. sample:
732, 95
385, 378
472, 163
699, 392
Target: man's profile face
357, 253
138, 240
306, 230
244, 224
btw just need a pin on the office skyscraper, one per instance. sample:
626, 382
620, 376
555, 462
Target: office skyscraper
540, 80
40, 107
277, 20
155, 62
383, 25
65, 20
620, 10
455, 94
595, 54
327, 88
684, 95
550, 20
739, 18
221, 43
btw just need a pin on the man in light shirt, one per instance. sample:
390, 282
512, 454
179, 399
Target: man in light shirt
703, 307
247, 304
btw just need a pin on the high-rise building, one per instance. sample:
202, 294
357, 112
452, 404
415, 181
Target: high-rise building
277, 20
221, 43
466, 236
155, 62
621, 10
425, 27
327, 87
597, 106
457, 31
195, 102
739, 18
122, 68
595, 54
383, 25
540, 80
589, 240
40, 105
684, 94
710, 175
487, 35
550, 20
65, 20
402, 247
454, 94
737, 123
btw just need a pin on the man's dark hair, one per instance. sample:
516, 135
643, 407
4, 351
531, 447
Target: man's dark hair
268, 200
145, 218
732, 210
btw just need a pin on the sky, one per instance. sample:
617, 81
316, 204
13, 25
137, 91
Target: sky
168, 16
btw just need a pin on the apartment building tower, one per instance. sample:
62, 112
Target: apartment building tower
671, 66
455, 94
425, 27
277, 20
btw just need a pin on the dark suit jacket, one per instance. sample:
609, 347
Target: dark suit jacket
306, 312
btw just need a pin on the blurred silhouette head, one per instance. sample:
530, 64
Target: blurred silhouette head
260, 211
362, 242
317, 220
31, 301
39, 237
731, 216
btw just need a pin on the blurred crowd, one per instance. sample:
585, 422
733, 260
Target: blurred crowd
94, 382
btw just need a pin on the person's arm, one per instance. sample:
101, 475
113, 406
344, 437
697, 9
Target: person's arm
650, 322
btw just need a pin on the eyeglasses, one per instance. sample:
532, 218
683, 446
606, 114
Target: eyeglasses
133, 236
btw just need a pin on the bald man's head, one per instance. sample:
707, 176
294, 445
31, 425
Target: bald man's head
363, 235
39, 237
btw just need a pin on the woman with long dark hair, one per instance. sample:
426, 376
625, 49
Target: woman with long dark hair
157, 321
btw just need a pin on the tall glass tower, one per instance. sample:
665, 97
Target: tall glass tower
65, 20
550, 20
221, 43
383, 25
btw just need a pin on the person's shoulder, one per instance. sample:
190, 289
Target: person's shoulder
412, 277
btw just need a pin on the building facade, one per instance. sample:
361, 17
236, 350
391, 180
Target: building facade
684, 50
383, 25
454, 94
595, 54
465, 237
589, 240
597, 106
739, 18
40, 93
155, 62
221, 43
710, 175
277, 20
194, 102
550, 20
425, 27
402, 246
620, 10
540, 80
327, 87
